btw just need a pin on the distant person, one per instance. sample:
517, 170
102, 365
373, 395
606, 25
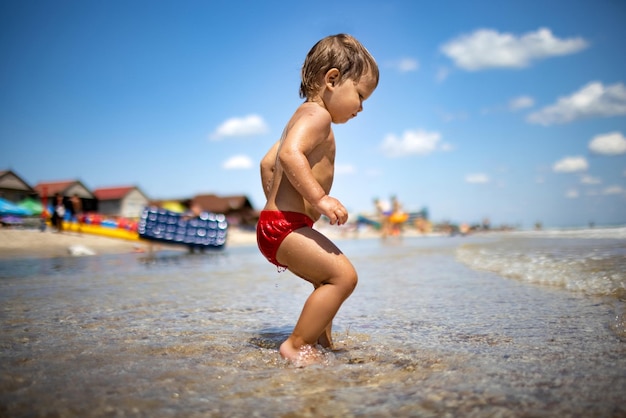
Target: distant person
398, 217
77, 211
58, 212
382, 213
338, 75
194, 212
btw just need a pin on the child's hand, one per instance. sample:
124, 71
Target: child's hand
333, 210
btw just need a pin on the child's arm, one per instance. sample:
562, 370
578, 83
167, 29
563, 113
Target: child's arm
306, 135
268, 165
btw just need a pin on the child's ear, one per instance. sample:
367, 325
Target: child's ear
331, 79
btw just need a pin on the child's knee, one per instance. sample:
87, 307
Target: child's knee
353, 283
349, 281
354, 279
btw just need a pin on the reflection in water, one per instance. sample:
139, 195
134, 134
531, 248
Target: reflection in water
197, 335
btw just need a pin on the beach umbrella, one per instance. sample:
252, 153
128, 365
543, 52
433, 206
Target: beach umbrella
31, 205
9, 208
174, 206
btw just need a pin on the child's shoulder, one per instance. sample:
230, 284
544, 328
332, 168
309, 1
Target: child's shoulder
313, 114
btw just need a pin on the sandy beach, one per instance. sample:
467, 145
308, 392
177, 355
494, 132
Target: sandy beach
31, 243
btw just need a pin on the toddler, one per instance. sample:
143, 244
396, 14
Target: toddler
338, 75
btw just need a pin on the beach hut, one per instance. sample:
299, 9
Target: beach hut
237, 208
13, 188
67, 189
121, 201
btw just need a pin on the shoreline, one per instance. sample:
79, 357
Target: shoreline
32, 243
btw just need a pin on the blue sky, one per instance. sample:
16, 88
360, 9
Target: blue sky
512, 111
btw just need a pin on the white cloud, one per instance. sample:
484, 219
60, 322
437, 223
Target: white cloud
613, 190
477, 178
416, 142
571, 194
238, 162
521, 102
487, 48
593, 100
612, 143
405, 65
245, 126
587, 179
570, 165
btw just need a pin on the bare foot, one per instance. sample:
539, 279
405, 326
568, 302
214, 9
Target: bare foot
325, 340
301, 357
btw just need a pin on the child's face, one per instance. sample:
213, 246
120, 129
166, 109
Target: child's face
345, 100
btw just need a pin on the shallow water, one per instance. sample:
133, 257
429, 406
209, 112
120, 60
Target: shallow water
197, 336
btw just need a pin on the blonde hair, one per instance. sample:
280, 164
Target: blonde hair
342, 52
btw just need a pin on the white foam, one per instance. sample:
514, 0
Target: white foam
597, 268
605, 232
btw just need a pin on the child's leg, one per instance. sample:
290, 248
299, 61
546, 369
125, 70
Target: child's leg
315, 258
326, 339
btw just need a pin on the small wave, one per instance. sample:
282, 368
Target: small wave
593, 267
582, 233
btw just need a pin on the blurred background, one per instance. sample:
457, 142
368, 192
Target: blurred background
513, 112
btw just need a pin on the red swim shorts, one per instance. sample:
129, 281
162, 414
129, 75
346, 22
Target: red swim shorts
274, 226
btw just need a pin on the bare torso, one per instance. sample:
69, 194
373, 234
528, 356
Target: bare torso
318, 146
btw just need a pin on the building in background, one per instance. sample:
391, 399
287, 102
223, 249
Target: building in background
125, 202
67, 189
13, 188
238, 209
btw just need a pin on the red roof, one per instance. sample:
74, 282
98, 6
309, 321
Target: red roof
52, 188
113, 193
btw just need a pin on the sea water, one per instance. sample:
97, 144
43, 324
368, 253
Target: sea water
501, 324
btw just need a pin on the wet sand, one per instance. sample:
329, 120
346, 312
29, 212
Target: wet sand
31, 243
